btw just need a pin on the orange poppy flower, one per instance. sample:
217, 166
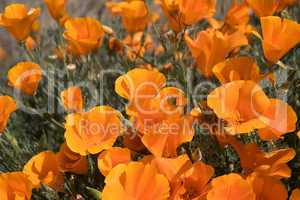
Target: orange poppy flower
83, 35
295, 194
71, 162
18, 20
280, 119
238, 14
30, 43
135, 181
277, 40
264, 187
239, 68
241, 104
263, 8
112, 157
25, 76
57, 9
72, 99
43, 168
93, 131
181, 13
7, 106
134, 13
211, 47
15, 185
231, 187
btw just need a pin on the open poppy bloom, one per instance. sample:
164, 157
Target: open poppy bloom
241, 104
212, 46
134, 13
44, 169
15, 185
280, 119
57, 9
277, 40
72, 99
7, 106
295, 194
93, 131
71, 162
182, 13
239, 68
135, 181
156, 112
231, 187
112, 157
19, 20
83, 35
264, 187
25, 76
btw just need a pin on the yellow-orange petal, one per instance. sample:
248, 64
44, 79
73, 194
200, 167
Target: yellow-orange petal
72, 99
7, 106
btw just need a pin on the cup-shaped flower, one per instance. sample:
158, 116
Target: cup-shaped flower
15, 185
84, 35
70, 161
239, 68
72, 99
57, 9
279, 36
25, 76
7, 106
19, 20
93, 131
135, 181
112, 157
43, 168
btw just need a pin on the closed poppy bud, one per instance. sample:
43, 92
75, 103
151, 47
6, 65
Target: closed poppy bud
44, 169
277, 40
18, 20
30, 44
134, 14
83, 35
231, 187
72, 99
211, 47
135, 181
7, 106
241, 104
240, 68
263, 8
280, 119
112, 157
57, 8
25, 76
70, 161
15, 186
93, 131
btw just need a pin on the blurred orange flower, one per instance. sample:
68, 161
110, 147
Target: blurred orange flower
280, 119
134, 13
231, 187
277, 40
264, 187
57, 10
72, 99
135, 181
263, 7
30, 43
112, 157
25, 76
43, 168
7, 106
295, 194
18, 20
238, 14
83, 35
71, 162
93, 131
238, 68
241, 104
212, 46
181, 13
15, 186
